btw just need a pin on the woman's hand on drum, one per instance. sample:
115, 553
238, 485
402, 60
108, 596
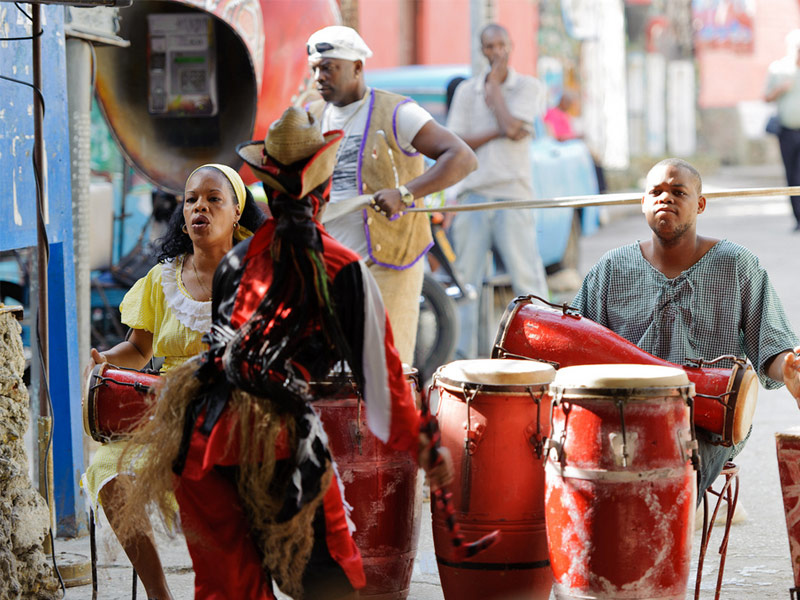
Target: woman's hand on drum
791, 373
97, 358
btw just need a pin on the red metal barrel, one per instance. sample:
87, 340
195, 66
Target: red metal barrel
384, 488
493, 416
620, 490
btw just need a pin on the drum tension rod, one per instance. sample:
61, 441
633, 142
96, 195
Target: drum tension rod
722, 398
536, 439
359, 435
136, 385
697, 363
550, 443
621, 405
566, 309
695, 452
501, 352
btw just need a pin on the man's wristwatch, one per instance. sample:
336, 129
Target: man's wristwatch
406, 196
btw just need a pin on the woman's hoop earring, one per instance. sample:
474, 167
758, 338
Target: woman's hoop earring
235, 225
184, 229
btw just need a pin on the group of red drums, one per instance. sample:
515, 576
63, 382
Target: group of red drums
583, 465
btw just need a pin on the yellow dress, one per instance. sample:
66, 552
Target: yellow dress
158, 303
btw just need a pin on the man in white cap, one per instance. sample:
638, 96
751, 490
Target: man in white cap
381, 154
783, 88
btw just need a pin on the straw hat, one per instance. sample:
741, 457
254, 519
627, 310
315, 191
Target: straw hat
296, 156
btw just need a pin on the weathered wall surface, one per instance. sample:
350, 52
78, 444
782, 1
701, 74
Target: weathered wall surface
25, 571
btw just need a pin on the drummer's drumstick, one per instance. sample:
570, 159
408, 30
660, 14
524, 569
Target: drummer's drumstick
603, 200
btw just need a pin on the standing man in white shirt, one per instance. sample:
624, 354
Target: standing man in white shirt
783, 88
381, 154
494, 114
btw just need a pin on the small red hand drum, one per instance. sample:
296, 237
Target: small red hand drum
494, 416
725, 400
788, 446
116, 401
620, 488
383, 486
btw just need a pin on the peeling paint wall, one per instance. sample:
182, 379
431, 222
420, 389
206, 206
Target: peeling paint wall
25, 571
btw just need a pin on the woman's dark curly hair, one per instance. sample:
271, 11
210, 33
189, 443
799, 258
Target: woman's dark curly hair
175, 242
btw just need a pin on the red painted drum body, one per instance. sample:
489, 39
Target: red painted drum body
788, 446
725, 400
382, 485
116, 401
494, 416
620, 488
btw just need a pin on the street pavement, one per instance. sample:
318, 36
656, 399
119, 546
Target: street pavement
758, 564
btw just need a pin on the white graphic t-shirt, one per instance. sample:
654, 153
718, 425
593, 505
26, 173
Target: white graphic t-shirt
352, 119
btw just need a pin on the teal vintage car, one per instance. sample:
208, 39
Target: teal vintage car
558, 168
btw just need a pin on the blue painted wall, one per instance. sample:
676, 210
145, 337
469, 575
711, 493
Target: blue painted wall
18, 229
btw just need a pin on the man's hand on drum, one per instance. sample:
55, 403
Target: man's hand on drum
791, 373
440, 473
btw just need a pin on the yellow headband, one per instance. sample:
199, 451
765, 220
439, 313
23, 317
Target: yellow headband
240, 233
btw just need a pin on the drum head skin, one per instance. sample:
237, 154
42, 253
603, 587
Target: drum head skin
745, 405
497, 371
620, 376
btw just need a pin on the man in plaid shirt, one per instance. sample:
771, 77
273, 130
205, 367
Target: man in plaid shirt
679, 295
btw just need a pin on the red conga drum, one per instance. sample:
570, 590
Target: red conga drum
788, 445
620, 488
494, 416
383, 487
726, 398
116, 401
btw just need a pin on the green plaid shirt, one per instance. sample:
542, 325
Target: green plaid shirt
723, 304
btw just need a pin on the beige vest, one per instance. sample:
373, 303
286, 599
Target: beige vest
401, 242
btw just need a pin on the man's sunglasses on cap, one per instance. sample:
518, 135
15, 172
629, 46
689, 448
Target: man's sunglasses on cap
319, 47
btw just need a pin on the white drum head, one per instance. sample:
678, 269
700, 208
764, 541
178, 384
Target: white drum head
497, 371
745, 405
620, 376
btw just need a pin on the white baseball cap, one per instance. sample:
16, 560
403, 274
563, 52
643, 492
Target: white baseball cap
337, 41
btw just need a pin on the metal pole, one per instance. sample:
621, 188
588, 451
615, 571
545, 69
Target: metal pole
79, 101
42, 256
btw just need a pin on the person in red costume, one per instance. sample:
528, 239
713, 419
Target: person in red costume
256, 484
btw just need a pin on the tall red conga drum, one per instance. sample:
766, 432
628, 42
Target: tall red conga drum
620, 487
116, 401
381, 484
494, 416
726, 397
788, 446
